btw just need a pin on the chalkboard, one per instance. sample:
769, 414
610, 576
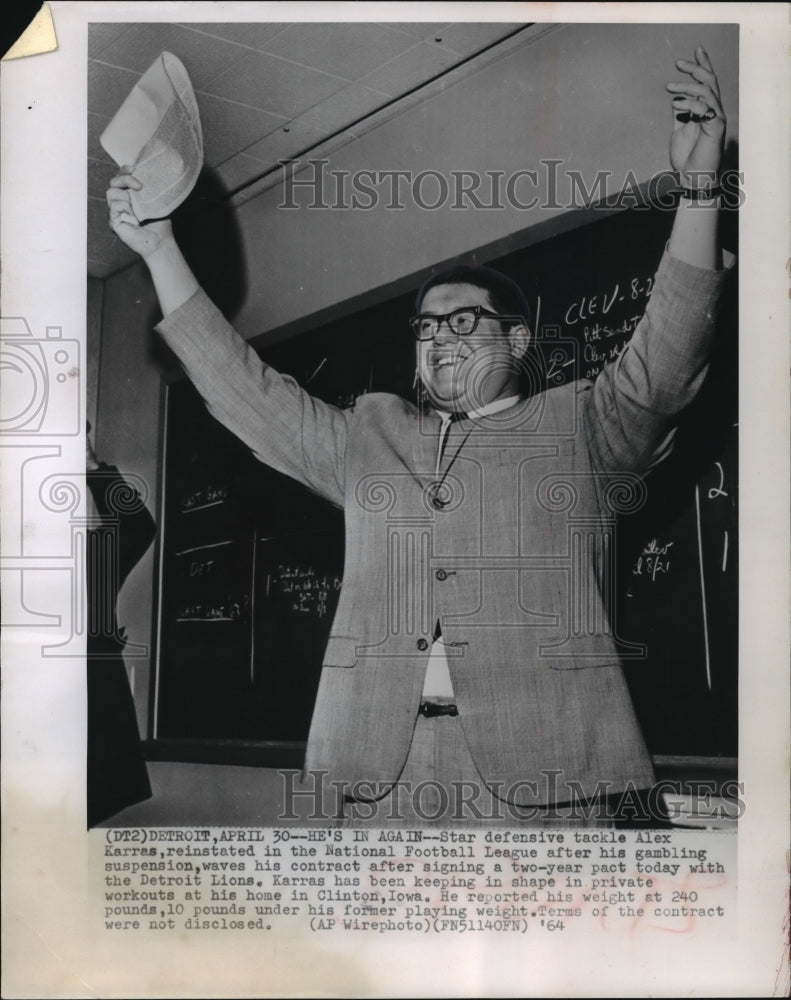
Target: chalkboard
251, 569
251, 563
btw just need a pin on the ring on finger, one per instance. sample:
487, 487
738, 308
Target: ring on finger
711, 113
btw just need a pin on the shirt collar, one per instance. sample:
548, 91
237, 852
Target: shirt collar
486, 410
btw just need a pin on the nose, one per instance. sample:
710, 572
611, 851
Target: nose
444, 332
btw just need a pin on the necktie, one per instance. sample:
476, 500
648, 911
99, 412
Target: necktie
440, 495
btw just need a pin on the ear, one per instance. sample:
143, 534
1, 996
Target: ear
519, 337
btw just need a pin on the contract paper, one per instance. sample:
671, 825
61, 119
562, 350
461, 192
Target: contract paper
157, 133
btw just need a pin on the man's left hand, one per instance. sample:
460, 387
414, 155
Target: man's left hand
699, 129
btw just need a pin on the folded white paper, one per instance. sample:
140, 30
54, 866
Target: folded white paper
157, 132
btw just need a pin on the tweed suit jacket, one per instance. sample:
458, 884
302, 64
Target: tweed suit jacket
515, 563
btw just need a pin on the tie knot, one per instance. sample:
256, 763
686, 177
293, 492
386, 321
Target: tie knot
452, 418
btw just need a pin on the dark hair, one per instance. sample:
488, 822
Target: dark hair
505, 295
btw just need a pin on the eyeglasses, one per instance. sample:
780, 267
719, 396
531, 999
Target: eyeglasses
462, 321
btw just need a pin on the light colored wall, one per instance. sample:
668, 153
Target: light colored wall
585, 94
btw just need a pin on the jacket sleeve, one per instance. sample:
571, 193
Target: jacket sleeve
284, 426
629, 412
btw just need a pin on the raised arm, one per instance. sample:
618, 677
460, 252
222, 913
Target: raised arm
283, 426
695, 153
633, 406
173, 280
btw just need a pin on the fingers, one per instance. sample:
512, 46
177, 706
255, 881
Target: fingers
117, 196
697, 91
120, 205
702, 59
694, 113
118, 200
696, 97
120, 217
701, 69
126, 179
703, 108
696, 102
696, 107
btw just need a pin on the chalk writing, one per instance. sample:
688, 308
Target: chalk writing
201, 548
718, 491
207, 496
601, 303
603, 344
314, 373
652, 560
234, 608
201, 567
306, 590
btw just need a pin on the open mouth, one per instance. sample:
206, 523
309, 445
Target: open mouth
443, 361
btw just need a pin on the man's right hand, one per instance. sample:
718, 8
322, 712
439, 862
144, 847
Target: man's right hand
174, 282
143, 239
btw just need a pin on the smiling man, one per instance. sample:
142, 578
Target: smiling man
472, 673
472, 332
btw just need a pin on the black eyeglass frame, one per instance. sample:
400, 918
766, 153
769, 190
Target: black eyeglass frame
479, 313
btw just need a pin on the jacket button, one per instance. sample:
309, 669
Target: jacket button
441, 575
422, 644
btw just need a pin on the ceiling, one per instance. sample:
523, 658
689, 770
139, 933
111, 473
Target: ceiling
265, 91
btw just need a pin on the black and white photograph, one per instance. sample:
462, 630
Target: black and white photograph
435, 538
395, 523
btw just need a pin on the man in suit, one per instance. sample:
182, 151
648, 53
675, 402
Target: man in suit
471, 671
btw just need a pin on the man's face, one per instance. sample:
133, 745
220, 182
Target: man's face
464, 373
